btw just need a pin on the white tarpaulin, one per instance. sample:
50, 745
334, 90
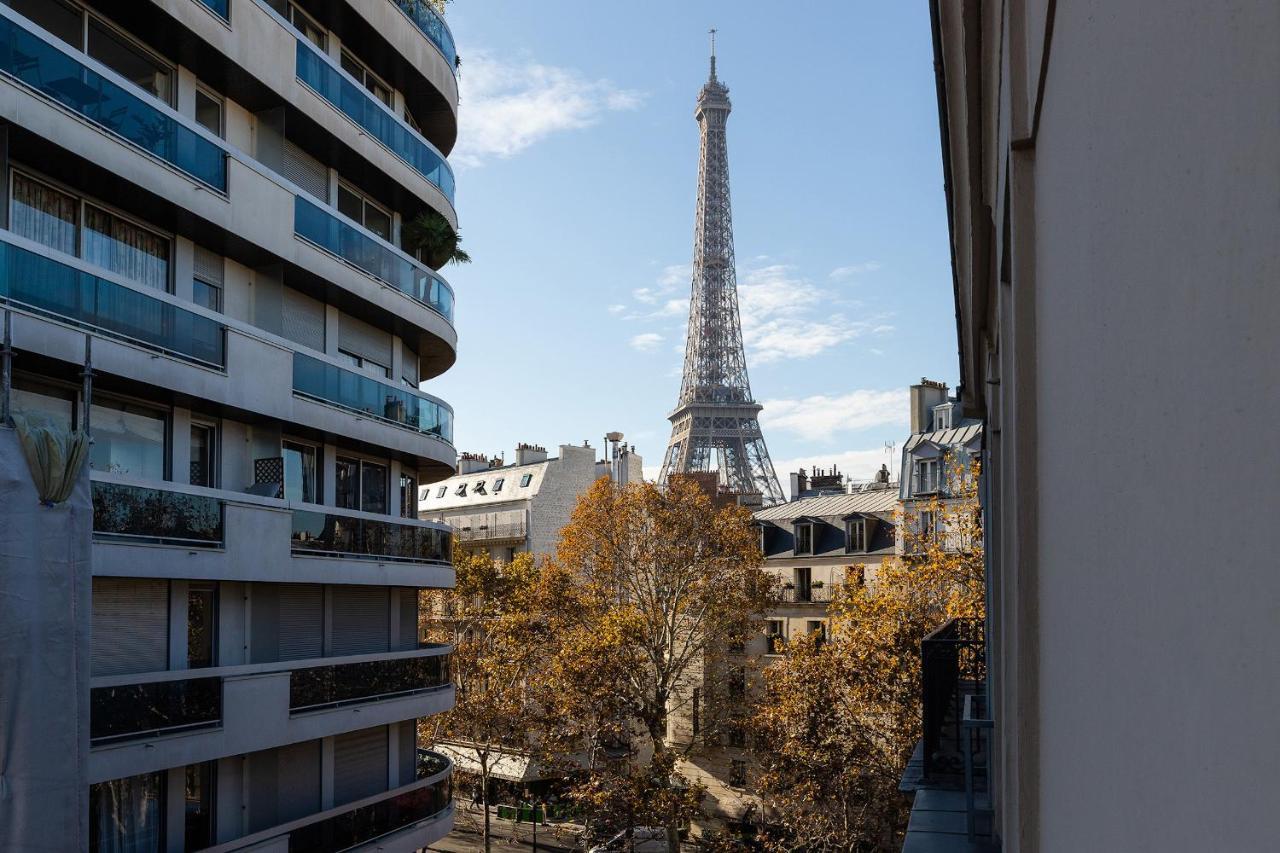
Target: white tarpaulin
45, 600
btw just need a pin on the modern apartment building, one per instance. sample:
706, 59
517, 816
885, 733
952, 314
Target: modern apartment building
1112, 173
507, 509
204, 260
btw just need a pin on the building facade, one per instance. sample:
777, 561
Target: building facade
204, 263
522, 507
1111, 180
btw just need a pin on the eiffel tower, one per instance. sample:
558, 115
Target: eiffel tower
715, 426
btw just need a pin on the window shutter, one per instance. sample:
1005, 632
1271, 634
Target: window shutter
408, 618
361, 623
209, 266
301, 621
303, 321
359, 338
408, 364
130, 626
305, 171
359, 765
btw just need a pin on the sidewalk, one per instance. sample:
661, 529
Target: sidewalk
506, 836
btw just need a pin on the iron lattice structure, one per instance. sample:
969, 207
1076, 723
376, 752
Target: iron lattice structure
715, 426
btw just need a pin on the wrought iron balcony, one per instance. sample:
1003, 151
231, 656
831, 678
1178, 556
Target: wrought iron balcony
431, 25
130, 513
365, 395
58, 290
323, 75
132, 711
811, 594
953, 665
492, 532
383, 261
319, 687
57, 73
336, 534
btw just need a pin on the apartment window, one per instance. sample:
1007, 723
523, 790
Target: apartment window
204, 461
926, 476
210, 109
300, 472
803, 579
128, 439
202, 625
127, 814
359, 484
408, 496
355, 205
526, 480
736, 731
461, 491
209, 272
497, 485
199, 829
737, 682
206, 295
928, 525
942, 417
61, 19
817, 626
366, 365
57, 403
61, 221
305, 24
856, 534
478, 488
774, 639
441, 491
804, 538
738, 773
366, 78
697, 711
129, 59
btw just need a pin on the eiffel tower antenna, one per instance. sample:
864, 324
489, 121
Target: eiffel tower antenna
715, 426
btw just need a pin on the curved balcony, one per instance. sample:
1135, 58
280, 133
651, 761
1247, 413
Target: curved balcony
324, 532
318, 688
57, 73
323, 76
432, 25
125, 512
362, 394
339, 236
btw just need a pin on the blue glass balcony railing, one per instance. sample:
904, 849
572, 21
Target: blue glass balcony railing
221, 8
429, 22
59, 76
316, 224
82, 298
366, 395
332, 534
359, 105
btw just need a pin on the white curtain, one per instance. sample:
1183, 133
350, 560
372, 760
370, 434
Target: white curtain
125, 815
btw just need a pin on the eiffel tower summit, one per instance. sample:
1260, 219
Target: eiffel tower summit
715, 426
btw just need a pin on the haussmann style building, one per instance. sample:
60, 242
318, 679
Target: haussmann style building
205, 263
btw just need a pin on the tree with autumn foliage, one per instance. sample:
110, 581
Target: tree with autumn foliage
647, 589
492, 617
843, 716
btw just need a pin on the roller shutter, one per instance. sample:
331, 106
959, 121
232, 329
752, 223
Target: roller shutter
359, 338
305, 171
408, 618
359, 765
130, 630
361, 620
408, 364
303, 320
301, 621
208, 266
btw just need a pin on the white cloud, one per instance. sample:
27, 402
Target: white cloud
820, 418
882, 329
512, 105
617, 309
784, 316
646, 341
675, 275
857, 465
644, 294
840, 273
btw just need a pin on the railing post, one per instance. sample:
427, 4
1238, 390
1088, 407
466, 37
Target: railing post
6, 368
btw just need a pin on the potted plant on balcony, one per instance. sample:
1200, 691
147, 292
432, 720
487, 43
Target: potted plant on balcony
818, 584
431, 235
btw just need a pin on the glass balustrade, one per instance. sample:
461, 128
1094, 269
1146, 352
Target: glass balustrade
363, 824
132, 711
70, 294
312, 222
221, 8
359, 105
136, 513
358, 393
320, 687
429, 22
333, 534
61, 77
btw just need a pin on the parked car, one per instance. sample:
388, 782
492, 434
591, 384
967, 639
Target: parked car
647, 839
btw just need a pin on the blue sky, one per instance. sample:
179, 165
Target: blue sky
577, 163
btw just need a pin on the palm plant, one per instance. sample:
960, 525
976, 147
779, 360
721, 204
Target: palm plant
430, 234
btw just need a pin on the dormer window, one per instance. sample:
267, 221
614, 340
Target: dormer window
442, 491
497, 484
926, 476
942, 416
461, 491
804, 538
760, 528
856, 535
479, 488
526, 480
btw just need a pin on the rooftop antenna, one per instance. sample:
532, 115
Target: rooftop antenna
889, 447
713, 52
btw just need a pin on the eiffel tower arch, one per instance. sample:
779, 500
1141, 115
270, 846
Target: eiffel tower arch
715, 426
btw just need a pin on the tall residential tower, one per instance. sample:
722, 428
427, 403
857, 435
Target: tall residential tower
715, 426
201, 254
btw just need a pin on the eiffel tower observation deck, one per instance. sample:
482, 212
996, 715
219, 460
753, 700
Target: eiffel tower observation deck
715, 426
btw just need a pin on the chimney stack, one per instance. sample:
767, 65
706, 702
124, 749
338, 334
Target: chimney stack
527, 454
924, 397
469, 463
799, 483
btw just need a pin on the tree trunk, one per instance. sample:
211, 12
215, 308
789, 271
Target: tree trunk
484, 798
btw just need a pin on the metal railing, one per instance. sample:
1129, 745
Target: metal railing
319, 533
432, 25
488, 532
952, 665
812, 594
318, 687
365, 395
129, 513
133, 711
